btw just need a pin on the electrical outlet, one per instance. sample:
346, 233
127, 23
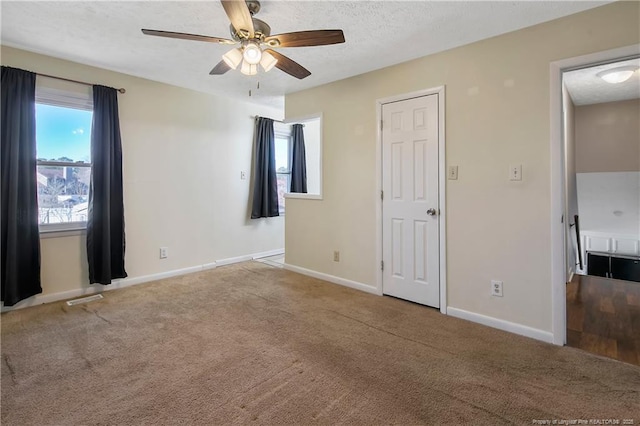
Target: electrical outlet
496, 288
453, 173
164, 252
336, 256
515, 172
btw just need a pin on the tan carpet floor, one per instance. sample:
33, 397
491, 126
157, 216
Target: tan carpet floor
253, 344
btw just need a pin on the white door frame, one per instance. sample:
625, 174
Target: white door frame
441, 187
558, 196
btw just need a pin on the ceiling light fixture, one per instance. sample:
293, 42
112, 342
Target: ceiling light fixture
248, 69
252, 52
268, 61
233, 58
618, 74
245, 58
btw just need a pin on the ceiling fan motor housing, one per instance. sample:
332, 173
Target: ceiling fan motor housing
260, 28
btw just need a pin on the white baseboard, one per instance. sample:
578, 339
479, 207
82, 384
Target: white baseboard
40, 299
231, 260
127, 282
248, 257
332, 279
268, 253
211, 265
511, 327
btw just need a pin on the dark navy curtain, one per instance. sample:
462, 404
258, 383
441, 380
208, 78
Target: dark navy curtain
298, 160
20, 241
105, 223
265, 184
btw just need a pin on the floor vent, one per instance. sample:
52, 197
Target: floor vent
84, 300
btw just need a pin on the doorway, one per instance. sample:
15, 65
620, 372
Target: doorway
411, 211
602, 158
568, 255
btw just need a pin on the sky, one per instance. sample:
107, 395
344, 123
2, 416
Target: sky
63, 132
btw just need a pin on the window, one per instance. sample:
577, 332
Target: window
313, 148
63, 146
283, 162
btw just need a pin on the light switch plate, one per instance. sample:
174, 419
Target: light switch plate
453, 173
515, 172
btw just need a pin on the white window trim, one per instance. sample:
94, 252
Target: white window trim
66, 99
303, 196
58, 230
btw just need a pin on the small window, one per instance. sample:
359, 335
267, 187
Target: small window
283, 163
63, 146
313, 156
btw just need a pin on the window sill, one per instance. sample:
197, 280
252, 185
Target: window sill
65, 232
303, 196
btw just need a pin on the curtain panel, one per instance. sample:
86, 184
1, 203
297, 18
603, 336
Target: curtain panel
20, 241
105, 223
265, 184
298, 160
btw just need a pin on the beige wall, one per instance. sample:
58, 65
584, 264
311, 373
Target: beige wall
497, 113
608, 137
183, 153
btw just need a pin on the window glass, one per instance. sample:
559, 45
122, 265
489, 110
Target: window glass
63, 134
283, 168
63, 145
282, 154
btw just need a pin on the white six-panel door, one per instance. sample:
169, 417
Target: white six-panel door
410, 211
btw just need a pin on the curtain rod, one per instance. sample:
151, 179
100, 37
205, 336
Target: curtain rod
277, 121
121, 90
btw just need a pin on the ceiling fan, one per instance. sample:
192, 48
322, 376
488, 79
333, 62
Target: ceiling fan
256, 41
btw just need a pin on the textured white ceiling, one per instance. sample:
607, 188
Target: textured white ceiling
378, 34
586, 88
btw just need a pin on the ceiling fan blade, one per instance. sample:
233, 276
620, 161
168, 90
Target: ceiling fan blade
239, 15
185, 36
219, 69
307, 38
289, 66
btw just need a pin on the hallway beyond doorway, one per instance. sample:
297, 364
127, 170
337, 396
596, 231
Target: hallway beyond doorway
603, 317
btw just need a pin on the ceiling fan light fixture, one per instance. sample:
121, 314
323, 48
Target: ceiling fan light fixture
252, 53
268, 61
253, 35
233, 58
248, 69
617, 75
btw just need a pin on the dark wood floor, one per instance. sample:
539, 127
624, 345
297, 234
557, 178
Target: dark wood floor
603, 317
